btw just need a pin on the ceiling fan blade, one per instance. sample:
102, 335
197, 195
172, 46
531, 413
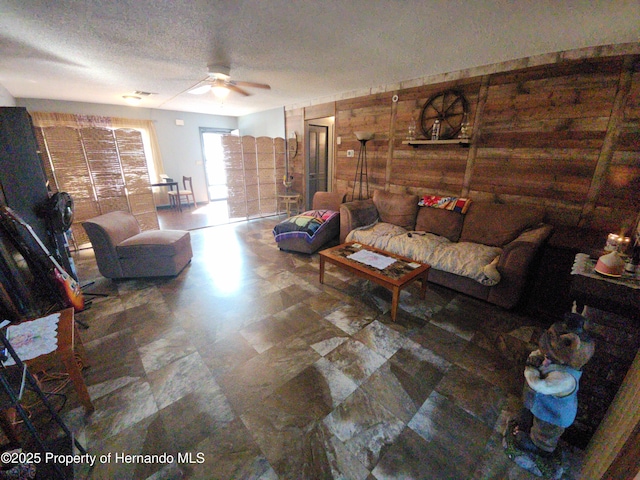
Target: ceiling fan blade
237, 89
251, 85
200, 90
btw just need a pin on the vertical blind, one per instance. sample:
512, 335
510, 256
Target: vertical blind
255, 168
103, 169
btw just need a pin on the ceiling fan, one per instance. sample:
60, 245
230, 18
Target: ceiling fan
219, 82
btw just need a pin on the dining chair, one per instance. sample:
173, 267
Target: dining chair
187, 192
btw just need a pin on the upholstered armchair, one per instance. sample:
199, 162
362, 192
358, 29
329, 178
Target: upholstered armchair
123, 251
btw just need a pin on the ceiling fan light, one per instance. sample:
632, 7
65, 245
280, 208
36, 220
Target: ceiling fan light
200, 90
132, 99
220, 91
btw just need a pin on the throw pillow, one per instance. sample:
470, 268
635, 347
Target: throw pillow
497, 224
440, 222
396, 208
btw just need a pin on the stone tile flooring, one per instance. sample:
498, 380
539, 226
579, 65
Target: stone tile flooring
246, 362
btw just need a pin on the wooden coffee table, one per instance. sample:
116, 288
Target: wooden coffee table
395, 277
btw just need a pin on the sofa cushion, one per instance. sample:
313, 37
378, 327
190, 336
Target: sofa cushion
498, 224
440, 222
154, 243
396, 208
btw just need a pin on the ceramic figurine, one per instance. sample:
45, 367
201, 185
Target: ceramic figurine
552, 375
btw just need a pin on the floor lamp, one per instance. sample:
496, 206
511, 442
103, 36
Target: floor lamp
361, 167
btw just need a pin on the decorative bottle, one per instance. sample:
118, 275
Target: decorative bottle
632, 265
435, 130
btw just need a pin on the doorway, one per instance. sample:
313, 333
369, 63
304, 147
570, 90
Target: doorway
319, 149
216, 212
214, 172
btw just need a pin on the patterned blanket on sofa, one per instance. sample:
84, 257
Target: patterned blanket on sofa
306, 225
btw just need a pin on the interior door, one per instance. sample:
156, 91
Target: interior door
318, 160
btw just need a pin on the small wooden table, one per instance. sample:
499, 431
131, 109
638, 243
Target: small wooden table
615, 295
71, 353
170, 185
290, 200
395, 277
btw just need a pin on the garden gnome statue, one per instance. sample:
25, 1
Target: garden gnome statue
552, 375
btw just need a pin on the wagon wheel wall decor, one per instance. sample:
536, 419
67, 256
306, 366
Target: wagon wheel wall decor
450, 107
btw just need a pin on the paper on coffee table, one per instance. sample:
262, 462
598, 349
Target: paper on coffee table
372, 259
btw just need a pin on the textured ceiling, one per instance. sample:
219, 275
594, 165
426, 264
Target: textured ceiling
98, 51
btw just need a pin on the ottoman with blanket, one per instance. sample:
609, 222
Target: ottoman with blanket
482, 249
313, 229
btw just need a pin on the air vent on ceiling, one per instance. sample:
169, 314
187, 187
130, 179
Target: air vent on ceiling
142, 94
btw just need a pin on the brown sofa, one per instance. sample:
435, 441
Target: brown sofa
502, 239
123, 251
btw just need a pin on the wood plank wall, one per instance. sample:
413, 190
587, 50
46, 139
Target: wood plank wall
565, 136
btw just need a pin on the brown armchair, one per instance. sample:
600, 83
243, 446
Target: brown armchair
289, 239
123, 251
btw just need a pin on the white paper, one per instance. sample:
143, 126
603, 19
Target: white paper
372, 259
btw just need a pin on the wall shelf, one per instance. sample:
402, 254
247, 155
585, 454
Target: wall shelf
463, 142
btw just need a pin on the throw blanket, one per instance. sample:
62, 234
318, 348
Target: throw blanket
471, 260
306, 225
455, 204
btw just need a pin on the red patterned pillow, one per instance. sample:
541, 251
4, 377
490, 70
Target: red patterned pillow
455, 204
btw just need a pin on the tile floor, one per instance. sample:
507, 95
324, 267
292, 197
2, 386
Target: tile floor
246, 360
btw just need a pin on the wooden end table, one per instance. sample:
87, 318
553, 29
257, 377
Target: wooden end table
71, 353
395, 277
615, 295
290, 200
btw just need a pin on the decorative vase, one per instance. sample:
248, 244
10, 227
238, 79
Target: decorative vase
610, 264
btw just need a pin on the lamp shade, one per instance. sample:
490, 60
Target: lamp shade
364, 135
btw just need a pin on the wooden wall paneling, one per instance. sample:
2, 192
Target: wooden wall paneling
280, 152
476, 129
435, 169
402, 158
320, 111
622, 417
438, 170
373, 116
392, 141
607, 150
345, 166
534, 174
619, 198
560, 73
540, 136
294, 122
